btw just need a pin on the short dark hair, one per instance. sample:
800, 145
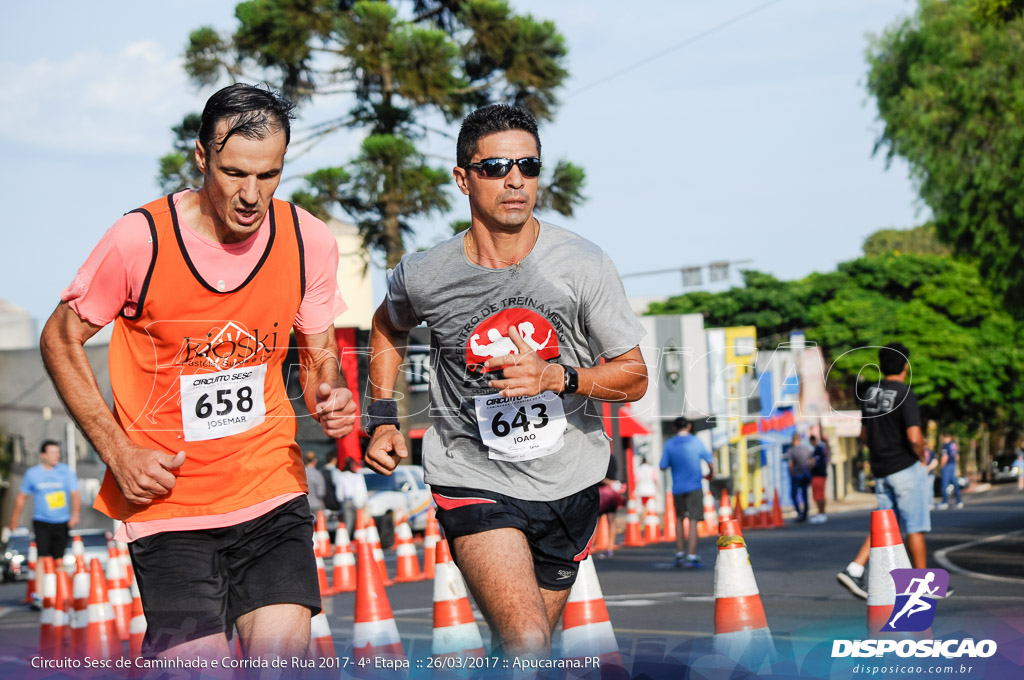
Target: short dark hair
682, 423
892, 358
48, 442
488, 120
813, 439
253, 112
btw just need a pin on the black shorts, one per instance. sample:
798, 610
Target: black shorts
558, 532
690, 503
196, 583
51, 539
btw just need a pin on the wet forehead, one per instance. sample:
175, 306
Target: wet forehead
506, 144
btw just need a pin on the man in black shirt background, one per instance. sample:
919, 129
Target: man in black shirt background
891, 427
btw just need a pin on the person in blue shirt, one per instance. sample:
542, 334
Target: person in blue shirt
683, 453
950, 458
55, 501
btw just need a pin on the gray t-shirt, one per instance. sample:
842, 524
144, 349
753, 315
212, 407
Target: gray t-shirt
802, 457
567, 301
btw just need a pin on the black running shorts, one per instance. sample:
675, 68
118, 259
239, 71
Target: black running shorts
196, 583
558, 532
690, 503
51, 539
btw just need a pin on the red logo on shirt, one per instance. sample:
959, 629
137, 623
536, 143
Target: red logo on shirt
490, 338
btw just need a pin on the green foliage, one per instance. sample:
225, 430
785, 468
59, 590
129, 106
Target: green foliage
950, 92
178, 169
917, 241
965, 357
403, 67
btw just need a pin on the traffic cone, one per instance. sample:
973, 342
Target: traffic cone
765, 510
119, 593
751, 516
78, 550
340, 538
101, 634
724, 509
737, 512
777, 520
48, 592
887, 553
633, 537
33, 557
730, 527
408, 568
137, 625
373, 538
455, 630
321, 642
359, 535
651, 522
80, 614
61, 618
321, 537
586, 629
321, 576
602, 536
741, 628
669, 533
430, 540
709, 525
344, 578
374, 632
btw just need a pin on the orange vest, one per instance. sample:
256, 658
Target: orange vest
191, 349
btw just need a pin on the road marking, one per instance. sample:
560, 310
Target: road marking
941, 558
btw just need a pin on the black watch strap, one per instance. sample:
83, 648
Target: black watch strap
572, 380
381, 412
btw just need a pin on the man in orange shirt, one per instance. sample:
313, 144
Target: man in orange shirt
202, 467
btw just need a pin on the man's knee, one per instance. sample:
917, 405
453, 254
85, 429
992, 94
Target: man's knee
528, 637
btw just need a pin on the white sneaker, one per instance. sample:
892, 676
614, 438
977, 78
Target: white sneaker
959, 506
942, 506
819, 519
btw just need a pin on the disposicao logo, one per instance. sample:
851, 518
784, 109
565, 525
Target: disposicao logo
916, 590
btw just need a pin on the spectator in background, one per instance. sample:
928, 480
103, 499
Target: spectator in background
948, 470
612, 497
315, 482
800, 460
55, 501
683, 454
352, 492
647, 484
819, 476
330, 474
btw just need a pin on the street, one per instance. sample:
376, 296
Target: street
656, 608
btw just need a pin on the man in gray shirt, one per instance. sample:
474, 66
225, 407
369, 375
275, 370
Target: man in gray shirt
315, 482
520, 312
801, 458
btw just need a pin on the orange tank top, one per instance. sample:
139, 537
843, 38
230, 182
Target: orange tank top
199, 369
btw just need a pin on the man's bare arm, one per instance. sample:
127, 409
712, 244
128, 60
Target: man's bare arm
916, 440
143, 474
323, 385
387, 351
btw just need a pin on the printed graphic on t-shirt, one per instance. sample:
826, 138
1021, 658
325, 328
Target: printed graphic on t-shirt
56, 500
489, 338
880, 400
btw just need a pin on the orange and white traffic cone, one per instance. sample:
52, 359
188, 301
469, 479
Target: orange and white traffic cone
777, 520
80, 613
765, 510
321, 642
48, 592
61, 615
669, 533
33, 557
340, 538
321, 576
651, 522
887, 553
741, 628
586, 628
78, 550
709, 525
751, 515
321, 537
730, 527
374, 632
137, 625
455, 630
359, 534
118, 593
737, 512
603, 537
373, 538
724, 509
408, 567
344, 578
101, 634
430, 540
633, 537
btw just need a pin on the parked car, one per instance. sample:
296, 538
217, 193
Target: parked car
94, 542
15, 557
403, 490
1004, 468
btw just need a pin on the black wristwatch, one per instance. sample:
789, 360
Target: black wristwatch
572, 380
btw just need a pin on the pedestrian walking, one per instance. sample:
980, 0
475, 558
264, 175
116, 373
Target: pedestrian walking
203, 287
891, 428
948, 469
315, 484
820, 457
353, 494
800, 457
520, 312
648, 485
56, 503
683, 454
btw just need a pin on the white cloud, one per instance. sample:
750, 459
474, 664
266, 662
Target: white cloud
98, 101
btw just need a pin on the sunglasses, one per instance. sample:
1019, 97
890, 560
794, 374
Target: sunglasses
499, 167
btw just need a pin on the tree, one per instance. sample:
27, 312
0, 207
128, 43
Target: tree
948, 84
406, 71
917, 241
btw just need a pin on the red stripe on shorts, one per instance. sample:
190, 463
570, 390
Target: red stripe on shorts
449, 503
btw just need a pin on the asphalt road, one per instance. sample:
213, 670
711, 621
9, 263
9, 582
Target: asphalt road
656, 608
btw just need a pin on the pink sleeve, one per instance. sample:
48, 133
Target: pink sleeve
323, 302
113, 275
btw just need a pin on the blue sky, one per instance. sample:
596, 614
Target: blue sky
751, 143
